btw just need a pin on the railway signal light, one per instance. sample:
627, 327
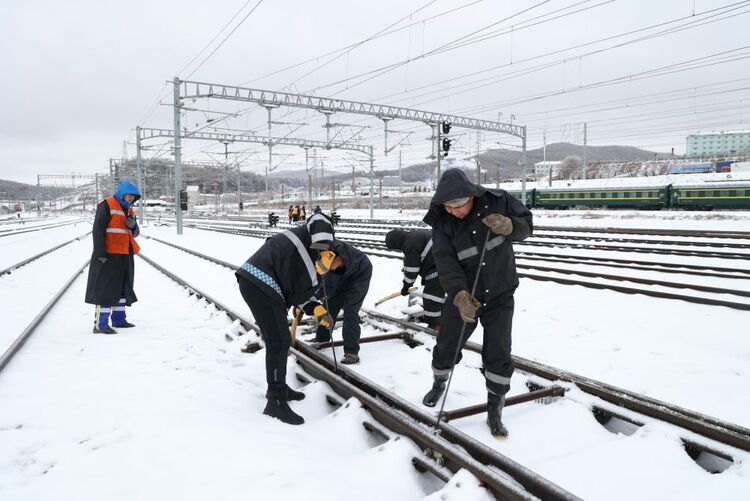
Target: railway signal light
446, 146
446, 126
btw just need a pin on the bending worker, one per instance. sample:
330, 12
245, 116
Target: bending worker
466, 221
417, 248
346, 286
112, 268
282, 274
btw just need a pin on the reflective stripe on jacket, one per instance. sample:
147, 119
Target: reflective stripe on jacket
119, 238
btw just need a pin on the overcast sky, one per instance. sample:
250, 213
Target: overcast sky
78, 76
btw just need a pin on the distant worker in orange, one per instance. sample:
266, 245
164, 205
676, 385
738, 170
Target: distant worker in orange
112, 268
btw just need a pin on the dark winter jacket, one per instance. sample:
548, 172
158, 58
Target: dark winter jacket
417, 248
109, 281
357, 266
284, 267
457, 243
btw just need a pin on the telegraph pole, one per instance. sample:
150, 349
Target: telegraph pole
372, 182
479, 170
139, 172
523, 179
584, 148
178, 157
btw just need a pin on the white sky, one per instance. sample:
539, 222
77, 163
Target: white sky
80, 75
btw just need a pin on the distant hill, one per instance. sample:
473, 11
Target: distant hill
507, 160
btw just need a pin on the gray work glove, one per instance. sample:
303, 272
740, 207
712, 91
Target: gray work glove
499, 224
102, 260
130, 222
467, 306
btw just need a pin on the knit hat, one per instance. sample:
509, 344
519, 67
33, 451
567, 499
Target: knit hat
321, 231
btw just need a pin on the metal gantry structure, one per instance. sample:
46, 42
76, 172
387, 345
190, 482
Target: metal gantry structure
144, 133
270, 100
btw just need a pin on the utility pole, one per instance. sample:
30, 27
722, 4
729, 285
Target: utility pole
439, 154
333, 197
224, 174
400, 191
372, 182
139, 173
38, 195
239, 191
584, 148
178, 157
479, 170
523, 179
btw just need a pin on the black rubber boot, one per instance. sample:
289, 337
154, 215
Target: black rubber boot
294, 394
279, 409
104, 330
495, 404
124, 325
432, 396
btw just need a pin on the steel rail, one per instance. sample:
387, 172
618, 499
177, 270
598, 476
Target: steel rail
24, 336
41, 254
674, 267
11, 233
563, 281
707, 426
396, 413
713, 428
563, 244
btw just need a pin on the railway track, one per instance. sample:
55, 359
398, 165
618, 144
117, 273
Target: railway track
41, 254
379, 249
14, 232
574, 242
615, 402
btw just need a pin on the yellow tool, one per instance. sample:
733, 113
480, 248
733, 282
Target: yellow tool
391, 296
297, 312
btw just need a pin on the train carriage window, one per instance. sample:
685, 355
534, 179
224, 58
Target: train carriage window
637, 194
701, 193
626, 195
718, 193
724, 193
603, 195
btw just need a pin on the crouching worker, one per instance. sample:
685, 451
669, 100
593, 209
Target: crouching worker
282, 274
472, 230
112, 268
346, 286
418, 261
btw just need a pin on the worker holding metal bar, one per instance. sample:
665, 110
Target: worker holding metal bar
472, 231
283, 273
346, 286
418, 261
112, 268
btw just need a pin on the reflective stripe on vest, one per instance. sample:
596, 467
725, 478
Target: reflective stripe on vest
118, 238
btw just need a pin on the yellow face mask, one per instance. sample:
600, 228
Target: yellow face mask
323, 265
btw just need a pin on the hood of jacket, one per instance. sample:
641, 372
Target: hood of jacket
127, 188
395, 239
453, 184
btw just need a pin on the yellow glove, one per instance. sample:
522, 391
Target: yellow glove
323, 265
320, 314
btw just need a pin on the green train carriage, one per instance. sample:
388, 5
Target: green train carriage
707, 197
634, 197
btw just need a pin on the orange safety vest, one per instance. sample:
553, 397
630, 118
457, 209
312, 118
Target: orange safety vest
118, 238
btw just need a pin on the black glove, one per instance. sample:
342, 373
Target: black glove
130, 222
102, 260
405, 289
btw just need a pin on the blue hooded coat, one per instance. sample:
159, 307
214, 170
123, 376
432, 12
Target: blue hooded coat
109, 281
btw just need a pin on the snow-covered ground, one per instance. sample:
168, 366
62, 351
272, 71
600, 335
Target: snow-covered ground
170, 409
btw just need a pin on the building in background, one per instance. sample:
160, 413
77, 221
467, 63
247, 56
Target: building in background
718, 143
544, 168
